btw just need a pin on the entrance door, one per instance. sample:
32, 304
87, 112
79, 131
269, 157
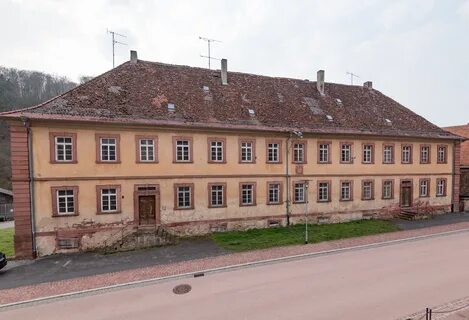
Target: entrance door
406, 194
147, 209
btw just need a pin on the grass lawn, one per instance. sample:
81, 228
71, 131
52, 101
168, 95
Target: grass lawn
6, 241
284, 236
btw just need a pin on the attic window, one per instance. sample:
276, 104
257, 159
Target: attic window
339, 102
388, 121
206, 88
252, 112
171, 107
329, 118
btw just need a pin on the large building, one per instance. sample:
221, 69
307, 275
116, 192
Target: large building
196, 150
463, 131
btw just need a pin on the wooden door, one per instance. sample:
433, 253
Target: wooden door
147, 209
406, 194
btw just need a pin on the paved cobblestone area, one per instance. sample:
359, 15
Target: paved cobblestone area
77, 284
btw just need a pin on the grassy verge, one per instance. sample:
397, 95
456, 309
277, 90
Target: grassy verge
283, 236
6, 241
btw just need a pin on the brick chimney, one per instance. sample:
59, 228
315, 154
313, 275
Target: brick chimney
224, 72
133, 56
320, 82
368, 85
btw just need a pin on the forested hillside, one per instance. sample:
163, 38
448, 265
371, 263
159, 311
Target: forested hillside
20, 89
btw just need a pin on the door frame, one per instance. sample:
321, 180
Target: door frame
147, 190
407, 183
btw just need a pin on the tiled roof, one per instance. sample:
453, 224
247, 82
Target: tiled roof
462, 131
140, 92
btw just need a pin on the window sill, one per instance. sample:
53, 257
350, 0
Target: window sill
346, 200
148, 162
392, 198
368, 199
63, 162
111, 212
323, 201
107, 162
274, 204
247, 205
216, 162
215, 207
247, 162
183, 162
177, 208
65, 215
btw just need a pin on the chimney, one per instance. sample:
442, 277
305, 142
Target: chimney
320, 82
368, 85
133, 56
224, 72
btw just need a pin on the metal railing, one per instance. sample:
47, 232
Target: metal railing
6, 211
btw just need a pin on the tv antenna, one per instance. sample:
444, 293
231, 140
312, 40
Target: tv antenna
352, 75
114, 42
209, 57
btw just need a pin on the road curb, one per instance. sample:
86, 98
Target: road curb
199, 273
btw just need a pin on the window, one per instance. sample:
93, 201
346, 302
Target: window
406, 153
274, 193
108, 199
299, 152
107, 148
388, 153
182, 149
62, 147
346, 190
216, 152
184, 194
440, 187
388, 186
217, 195
323, 152
323, 191
368, 153
146, 149
367, 190
299, 189
247, 151
247, 195
442, 154
273, 151
424, 187
64, 201
346, 152
424, 154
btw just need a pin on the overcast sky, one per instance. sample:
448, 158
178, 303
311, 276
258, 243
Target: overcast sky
416, 51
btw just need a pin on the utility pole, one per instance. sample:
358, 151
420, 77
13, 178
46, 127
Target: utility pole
209, 57
352, 75
114, 41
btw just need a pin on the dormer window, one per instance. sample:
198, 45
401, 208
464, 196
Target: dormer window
252, 112
329, 118
171, 107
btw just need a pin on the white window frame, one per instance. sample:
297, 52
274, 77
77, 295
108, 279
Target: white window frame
68, 195
183, 149
217, 190
247, 151
216, 151
442, 153
388, 154
424, 154
63, 145
108, 146
299, 152
387, 189
368, 153
424, 183
441, 187
184, 197
406, 154
346, 189
273, 152
148, 148
274, 193
108, 194
324, 152
299, 192
247, 192
323, 191
367, 190
346, 153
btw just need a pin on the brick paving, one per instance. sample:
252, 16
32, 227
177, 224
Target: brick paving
90, 282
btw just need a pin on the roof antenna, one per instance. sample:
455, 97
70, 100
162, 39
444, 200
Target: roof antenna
351, 76
209, 57
114, 41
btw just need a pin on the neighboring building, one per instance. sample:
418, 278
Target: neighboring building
463, 131
197, 150
6, 196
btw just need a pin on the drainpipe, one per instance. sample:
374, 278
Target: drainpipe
27, 124
287, 175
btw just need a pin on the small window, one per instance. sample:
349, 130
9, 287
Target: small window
182, 149
216, 150
184, 196
388, 121
346, 152
367, 190
406, 154
274, 193
323, 191
346, 191
108, 149
388, 153
147, 152
273, 151
217, 195
109, 200
388, 189
442, 154
247, 194
329, 118
424, 154
252, 112
65, 201
440, 187
299, 190
246, 152
171, 107
424, 187
299, 152
63, 147
323, 152
368, 153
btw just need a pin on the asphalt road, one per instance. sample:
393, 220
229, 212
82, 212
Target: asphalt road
378, 283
